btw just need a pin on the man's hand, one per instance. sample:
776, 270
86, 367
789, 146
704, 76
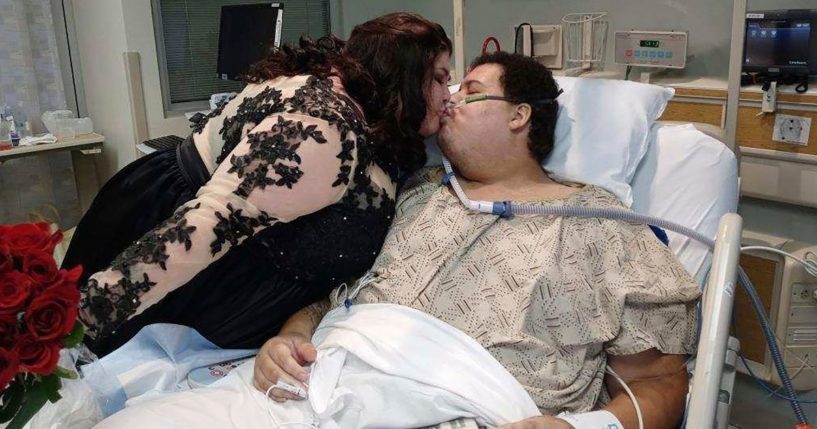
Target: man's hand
541, 422
283, 357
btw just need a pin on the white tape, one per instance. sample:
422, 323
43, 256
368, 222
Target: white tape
295, 390
593, 420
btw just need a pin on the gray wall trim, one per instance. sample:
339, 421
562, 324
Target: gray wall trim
70, 67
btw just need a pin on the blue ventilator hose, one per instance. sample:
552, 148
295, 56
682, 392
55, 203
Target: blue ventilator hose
506, 209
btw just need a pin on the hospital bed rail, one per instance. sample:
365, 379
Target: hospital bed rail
715, 352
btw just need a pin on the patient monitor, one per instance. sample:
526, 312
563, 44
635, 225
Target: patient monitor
781, 42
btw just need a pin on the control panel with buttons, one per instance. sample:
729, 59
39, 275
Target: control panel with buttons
664, 49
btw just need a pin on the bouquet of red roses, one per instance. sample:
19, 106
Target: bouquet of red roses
38, 318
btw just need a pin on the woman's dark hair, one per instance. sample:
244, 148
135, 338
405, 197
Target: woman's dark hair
527, 80
385, 66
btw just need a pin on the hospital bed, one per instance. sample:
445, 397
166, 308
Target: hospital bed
677, 173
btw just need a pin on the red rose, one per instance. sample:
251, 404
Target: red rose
8, 330
15, 288
52, 315
39, 357
40, 266
6, 262
8, 367
64, 278
26, 237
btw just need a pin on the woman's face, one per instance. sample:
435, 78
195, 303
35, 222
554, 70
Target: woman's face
436, 95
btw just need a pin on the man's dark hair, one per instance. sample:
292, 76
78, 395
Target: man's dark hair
526, 80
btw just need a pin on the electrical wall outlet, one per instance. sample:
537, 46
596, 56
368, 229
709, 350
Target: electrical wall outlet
769, 102
792, 129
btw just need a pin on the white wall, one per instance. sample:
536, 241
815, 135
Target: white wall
100, 28
105, 30
140, 38
348, 13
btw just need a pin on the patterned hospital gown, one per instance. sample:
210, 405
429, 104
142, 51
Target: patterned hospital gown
548, 297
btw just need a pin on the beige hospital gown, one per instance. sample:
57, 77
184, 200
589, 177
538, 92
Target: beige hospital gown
548, 297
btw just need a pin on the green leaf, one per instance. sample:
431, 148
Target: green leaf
51, 385
65, 373
75, 337
11, 399
35, 398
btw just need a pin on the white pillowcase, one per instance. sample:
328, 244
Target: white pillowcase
601, 131
689, 178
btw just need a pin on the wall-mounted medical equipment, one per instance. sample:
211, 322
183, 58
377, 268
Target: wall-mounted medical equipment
542, 42
661, 49
586, 37
781, 42
790, 293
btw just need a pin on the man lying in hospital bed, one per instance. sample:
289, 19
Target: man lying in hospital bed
535, 308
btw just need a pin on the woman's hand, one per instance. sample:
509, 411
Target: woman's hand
283, 357
541, 422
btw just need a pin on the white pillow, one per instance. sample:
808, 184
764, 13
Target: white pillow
689, 178
602, 131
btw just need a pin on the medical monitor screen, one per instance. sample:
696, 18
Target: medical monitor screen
246, 34
780, 43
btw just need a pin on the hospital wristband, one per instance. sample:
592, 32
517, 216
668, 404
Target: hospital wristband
593, 420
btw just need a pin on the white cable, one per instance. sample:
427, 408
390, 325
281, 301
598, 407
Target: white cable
269, 411
810, 266
341, 294
630, 394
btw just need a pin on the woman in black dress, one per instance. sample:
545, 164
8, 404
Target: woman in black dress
275, 199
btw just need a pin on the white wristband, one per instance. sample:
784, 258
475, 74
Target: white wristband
593, 420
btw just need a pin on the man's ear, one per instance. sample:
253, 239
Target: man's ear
521, 116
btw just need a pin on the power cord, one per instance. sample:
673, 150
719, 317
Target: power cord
630, 394
516, 38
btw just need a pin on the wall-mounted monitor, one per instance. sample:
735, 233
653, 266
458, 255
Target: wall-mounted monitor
246, 34
781, 42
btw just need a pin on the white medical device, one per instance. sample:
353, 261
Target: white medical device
662, 49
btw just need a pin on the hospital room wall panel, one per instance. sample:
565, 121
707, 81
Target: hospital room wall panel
763, 273
756, 131
694, 112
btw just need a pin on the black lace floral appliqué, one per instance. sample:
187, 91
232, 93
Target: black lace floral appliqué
105, 307
272, 160
152, 247
199, 125
236, 226
251, 112
267, 149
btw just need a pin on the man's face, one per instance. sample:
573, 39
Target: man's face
475, 133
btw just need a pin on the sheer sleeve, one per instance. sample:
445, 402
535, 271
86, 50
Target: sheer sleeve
288, 166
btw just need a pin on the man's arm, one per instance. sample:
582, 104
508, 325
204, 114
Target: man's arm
658, 381
285, 355
307, 319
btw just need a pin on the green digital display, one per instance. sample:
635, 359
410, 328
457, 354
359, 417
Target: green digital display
649, 43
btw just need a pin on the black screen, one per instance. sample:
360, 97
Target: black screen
778, 43
247, 33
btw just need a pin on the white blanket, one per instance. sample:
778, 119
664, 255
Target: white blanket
379, 365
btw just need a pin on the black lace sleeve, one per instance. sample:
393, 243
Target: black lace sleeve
289, 165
